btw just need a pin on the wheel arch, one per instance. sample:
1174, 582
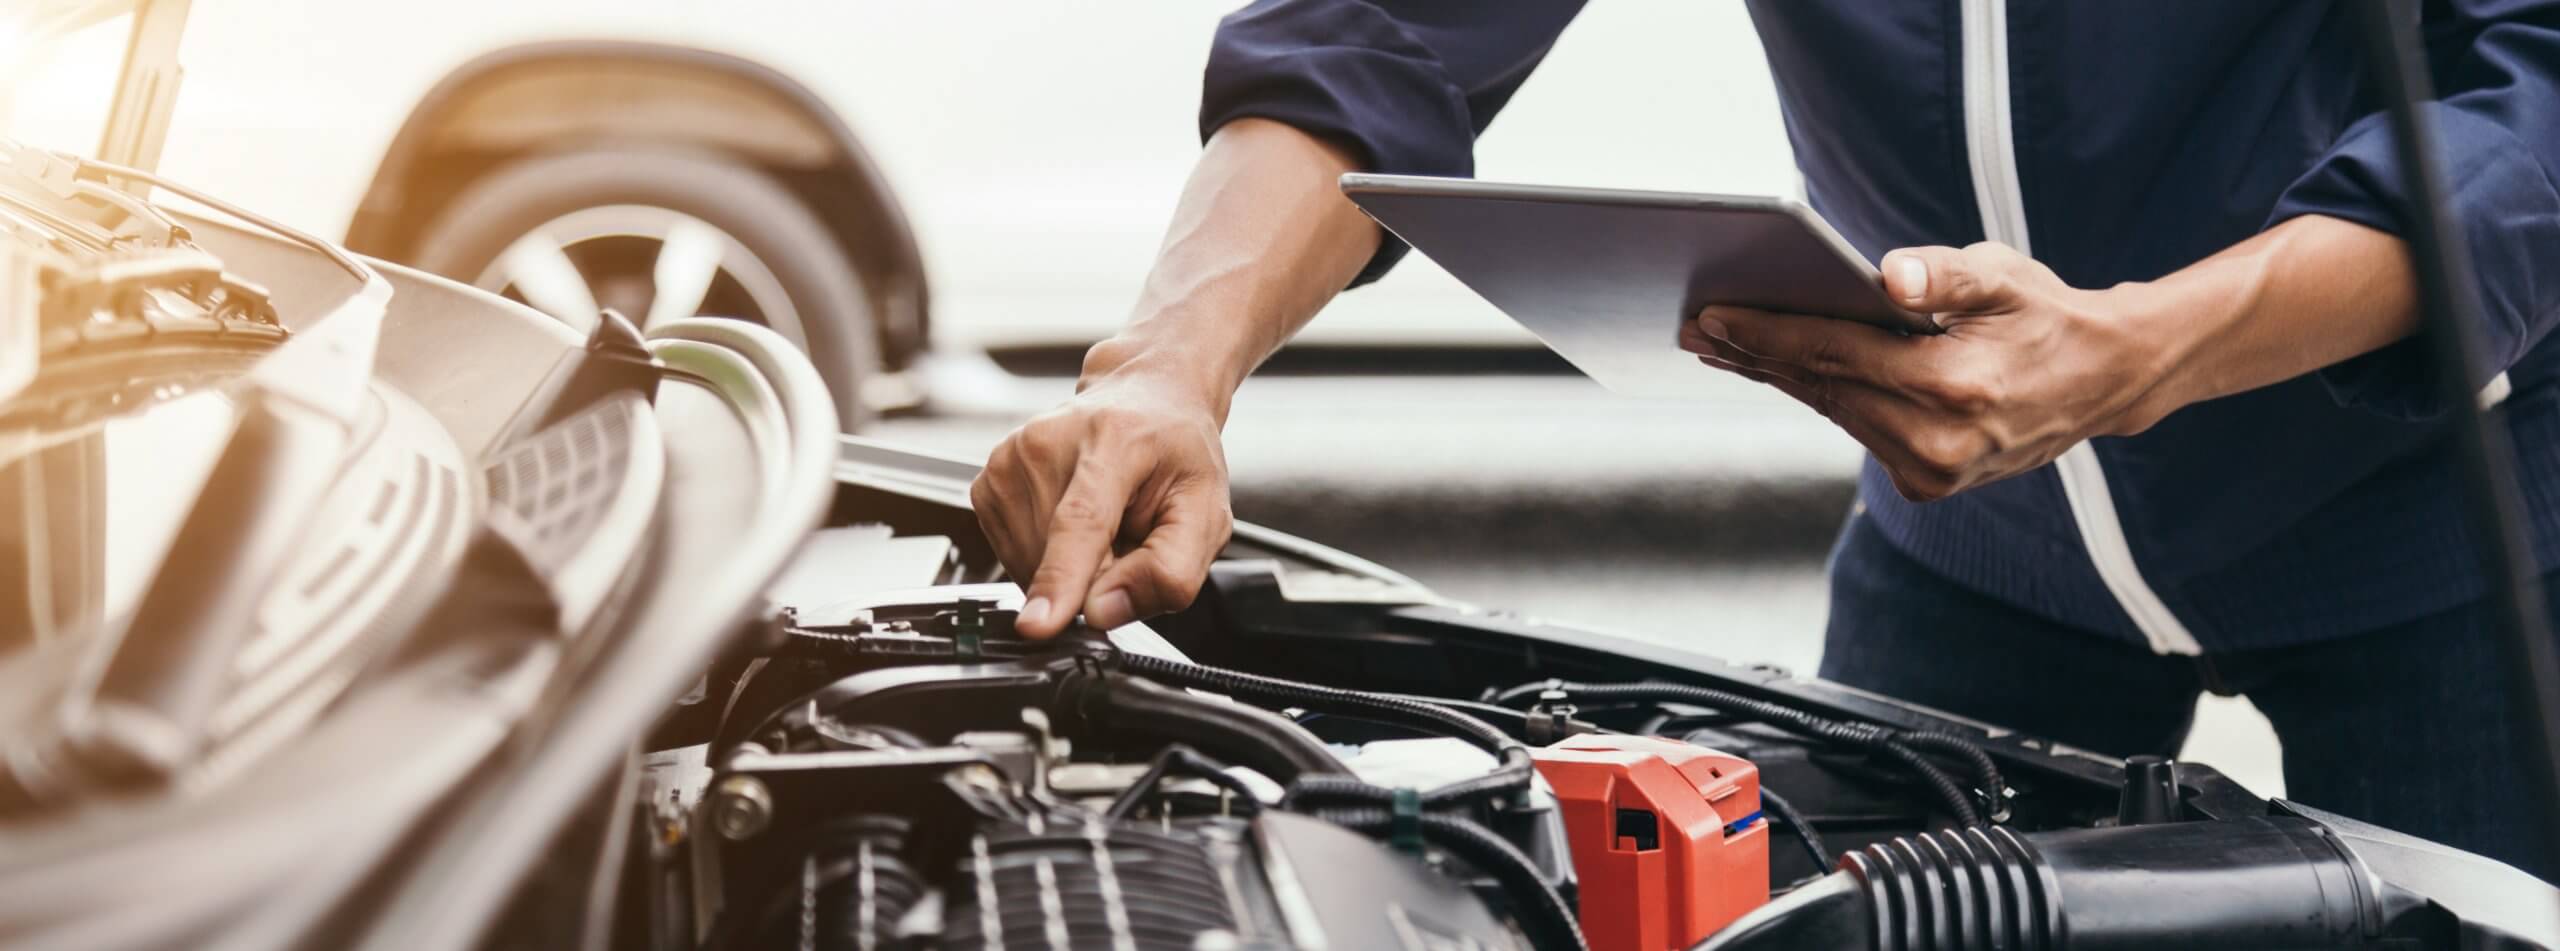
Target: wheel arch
533, 98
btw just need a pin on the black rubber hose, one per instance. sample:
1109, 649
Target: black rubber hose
1542, 913
1250, 737
1778, 806
1891, 743
1183, 758
1513, 774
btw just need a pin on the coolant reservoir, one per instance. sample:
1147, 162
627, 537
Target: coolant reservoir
1667, 838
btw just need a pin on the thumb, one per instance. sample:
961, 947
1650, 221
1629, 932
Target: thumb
1940, 280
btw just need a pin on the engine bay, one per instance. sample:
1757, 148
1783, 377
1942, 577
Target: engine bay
914, 775
1313, 759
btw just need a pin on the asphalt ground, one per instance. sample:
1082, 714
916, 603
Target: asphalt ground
1702, 524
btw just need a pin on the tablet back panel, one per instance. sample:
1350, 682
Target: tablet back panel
1606, 277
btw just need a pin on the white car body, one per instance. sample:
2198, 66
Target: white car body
1037, 148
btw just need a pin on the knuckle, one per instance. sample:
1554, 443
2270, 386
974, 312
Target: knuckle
1963, 283
1079, 510
1941, 453
1006, 455
1114, 423
1045, 437
1169, 587
1186, 578
1965, 393
1824, 353
1176, 597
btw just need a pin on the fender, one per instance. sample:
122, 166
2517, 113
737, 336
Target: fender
795, 130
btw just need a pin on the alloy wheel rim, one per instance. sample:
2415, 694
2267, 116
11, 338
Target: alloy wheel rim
654, 264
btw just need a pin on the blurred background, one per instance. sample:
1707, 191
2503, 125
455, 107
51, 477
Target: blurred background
946, 203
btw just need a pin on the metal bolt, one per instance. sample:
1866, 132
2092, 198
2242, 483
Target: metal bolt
741, 808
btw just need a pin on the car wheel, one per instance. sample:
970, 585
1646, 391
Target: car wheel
660, 236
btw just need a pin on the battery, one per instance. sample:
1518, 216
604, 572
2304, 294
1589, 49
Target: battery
1667, 839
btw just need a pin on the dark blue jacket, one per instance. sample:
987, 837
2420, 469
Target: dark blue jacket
2114, 142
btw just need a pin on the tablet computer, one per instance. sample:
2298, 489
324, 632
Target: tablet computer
1605, 277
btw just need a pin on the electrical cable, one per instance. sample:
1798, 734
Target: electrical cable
2484, 462
1898, 745
1189, 762
1806, 834
1384, 707
1993, 789
1475, 708
1950, 796
1510, 776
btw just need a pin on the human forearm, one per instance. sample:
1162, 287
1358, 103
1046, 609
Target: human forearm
2303, 295
1261, 240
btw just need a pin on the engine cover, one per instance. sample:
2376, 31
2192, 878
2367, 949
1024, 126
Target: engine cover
1667, 838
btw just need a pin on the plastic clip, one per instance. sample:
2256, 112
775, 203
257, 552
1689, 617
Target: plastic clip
1404, 825
969, 630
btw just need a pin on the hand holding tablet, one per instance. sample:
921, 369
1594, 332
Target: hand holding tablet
1995, 367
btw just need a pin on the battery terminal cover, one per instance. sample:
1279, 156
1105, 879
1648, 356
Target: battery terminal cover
1667, 838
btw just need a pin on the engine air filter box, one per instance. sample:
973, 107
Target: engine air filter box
1667, 839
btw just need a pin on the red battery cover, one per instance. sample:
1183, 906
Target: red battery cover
1667, 839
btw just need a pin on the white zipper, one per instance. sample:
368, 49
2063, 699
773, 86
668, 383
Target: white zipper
1992, 153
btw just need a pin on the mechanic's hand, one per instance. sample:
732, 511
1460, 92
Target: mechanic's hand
2027, 367
1112, 504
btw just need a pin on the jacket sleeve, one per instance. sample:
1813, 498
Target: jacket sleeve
2496, 65
1406, 85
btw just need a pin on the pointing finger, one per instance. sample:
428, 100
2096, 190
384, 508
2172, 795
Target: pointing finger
1079, 538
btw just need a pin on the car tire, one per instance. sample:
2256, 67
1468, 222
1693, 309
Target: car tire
599, 211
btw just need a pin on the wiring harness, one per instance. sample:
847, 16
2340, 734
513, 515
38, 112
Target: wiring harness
1986, 804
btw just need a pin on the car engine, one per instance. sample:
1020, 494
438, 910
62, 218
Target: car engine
902, 772
917, 777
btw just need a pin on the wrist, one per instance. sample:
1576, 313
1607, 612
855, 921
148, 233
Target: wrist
2159, 327
1183, 373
